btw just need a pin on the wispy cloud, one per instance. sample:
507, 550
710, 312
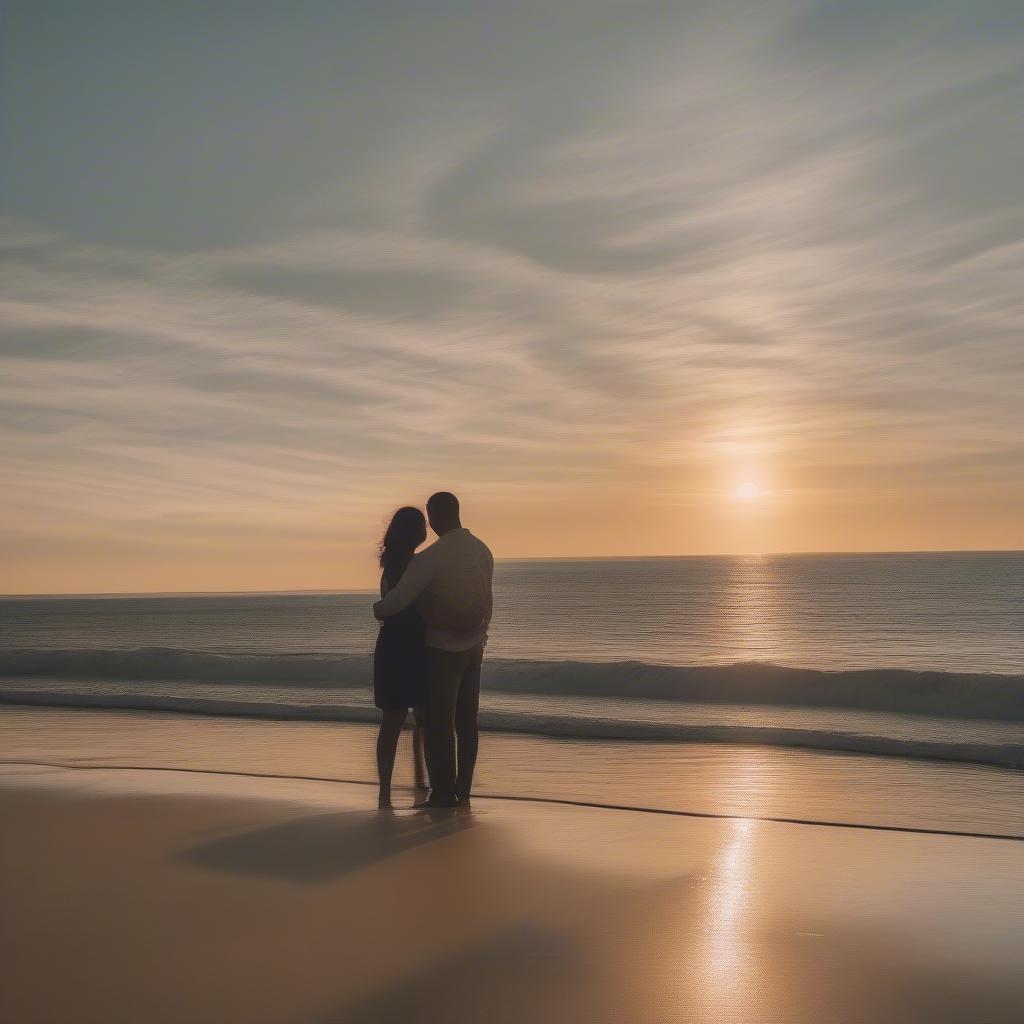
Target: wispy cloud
743, 240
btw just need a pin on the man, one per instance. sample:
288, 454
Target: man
457, 569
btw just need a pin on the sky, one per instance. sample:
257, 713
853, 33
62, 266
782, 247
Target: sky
631, 278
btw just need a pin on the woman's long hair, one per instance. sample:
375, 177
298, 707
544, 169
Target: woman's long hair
405, 533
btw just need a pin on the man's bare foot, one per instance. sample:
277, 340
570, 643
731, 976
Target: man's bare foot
384, 801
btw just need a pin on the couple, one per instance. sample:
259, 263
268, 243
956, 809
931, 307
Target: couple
435, 608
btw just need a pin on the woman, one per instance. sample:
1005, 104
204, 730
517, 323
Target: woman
400, 667
400, 657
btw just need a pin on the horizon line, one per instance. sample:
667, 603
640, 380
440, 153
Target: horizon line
516, 558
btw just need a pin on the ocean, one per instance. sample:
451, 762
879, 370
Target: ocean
908, 654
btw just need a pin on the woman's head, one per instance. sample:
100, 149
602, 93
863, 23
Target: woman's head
405, 533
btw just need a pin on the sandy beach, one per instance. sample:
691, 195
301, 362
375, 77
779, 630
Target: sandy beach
169, 896
624, 399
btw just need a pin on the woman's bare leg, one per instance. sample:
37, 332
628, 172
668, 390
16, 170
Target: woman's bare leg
419, 761
391, 724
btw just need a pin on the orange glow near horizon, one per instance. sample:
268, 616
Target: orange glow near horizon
717, 292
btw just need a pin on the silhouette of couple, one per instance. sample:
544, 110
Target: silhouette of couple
434, 608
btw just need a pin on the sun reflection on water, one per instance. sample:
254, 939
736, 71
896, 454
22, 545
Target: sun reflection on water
753, 610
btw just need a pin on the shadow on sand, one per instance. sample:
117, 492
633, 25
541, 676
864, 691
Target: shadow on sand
488, 979
321, 847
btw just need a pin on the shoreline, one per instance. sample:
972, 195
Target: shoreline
551, 801
1008, 756
706, 778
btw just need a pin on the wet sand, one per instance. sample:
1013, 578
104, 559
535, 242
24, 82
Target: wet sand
741, 780
171, 896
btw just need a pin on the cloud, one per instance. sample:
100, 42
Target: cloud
725, 243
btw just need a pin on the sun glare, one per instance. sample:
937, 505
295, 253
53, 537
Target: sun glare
748, 491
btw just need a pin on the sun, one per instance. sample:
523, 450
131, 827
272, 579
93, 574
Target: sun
748, 491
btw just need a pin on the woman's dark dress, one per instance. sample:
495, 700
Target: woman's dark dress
400, 660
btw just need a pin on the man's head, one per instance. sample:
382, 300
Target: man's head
443, 512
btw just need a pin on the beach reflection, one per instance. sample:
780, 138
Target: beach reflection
721, 979
727, 899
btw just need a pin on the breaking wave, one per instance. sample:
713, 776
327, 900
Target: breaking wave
945, 694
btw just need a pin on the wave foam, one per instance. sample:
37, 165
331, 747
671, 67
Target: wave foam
940, 694
971, 749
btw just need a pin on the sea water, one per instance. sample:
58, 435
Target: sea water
886, 653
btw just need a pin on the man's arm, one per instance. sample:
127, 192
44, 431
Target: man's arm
439, 614
414, 581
